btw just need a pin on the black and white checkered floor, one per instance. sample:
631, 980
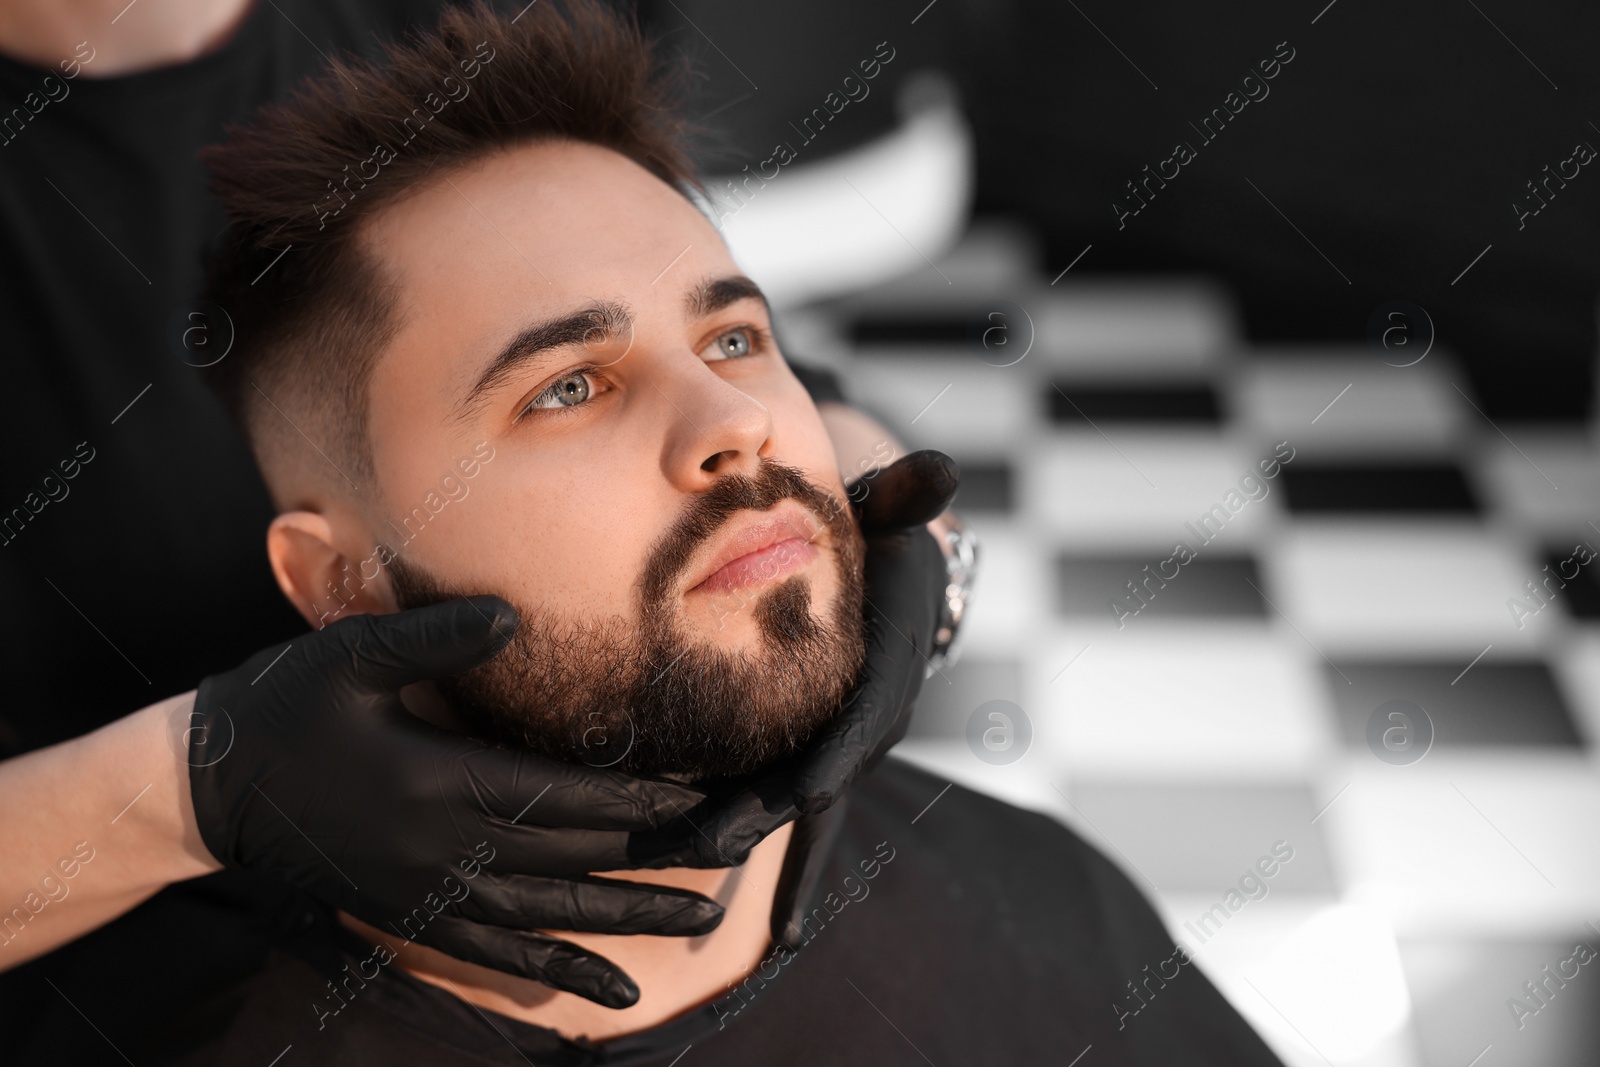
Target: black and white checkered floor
1224, 708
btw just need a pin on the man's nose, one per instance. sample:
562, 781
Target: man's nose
717, 429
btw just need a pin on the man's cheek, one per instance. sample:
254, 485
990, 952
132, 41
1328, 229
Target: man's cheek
798, 427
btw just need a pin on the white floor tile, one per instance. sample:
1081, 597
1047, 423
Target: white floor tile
958, 405
1484, 846
1140, 488
1182, 701
1347, 402
1351, 586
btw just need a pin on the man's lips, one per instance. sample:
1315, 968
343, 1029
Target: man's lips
757, 547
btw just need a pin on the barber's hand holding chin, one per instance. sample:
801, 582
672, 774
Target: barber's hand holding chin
305, 763
906, 581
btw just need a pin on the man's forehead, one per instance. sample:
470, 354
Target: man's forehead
527, 235
547, 211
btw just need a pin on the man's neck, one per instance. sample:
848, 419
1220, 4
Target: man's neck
674, 974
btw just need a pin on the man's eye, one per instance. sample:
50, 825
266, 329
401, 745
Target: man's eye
566, 392
736, 343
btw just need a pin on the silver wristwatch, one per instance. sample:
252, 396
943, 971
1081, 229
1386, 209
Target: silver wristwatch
960, 548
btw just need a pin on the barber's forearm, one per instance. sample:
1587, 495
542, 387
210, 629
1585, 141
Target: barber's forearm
91, 827
92, 37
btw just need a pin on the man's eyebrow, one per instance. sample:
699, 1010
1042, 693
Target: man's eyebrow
600, 322
714, 294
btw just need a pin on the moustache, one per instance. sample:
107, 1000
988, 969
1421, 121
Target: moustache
705, 515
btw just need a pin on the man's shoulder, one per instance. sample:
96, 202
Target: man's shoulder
943, 905
994, 859
896, 782
923, 806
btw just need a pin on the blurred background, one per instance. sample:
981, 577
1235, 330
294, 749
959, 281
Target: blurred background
1309, 290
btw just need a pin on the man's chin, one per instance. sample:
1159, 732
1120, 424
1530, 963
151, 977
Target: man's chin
687, 708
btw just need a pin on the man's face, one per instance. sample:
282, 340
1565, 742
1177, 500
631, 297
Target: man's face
662, 504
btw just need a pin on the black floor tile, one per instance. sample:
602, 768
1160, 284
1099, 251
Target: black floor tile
1507, 703
951, 328
1071, 403
986, 487
1207, 585
1358, 488
1581, 596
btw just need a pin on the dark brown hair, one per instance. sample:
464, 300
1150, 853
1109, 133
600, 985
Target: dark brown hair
303, 174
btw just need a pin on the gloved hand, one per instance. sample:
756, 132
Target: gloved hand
905, 592
304, 762
905, 585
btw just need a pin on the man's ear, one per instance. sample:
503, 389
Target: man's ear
321, 582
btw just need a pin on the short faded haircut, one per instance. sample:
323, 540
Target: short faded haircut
309, 322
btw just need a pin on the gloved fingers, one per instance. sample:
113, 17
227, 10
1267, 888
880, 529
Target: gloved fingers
836, 758
528, 954
682, 845
896, 734
533, 790
591, 905
387, 652
904, 585
906, 578
744, 823
684, 841
723, 833
528, 848
912, 490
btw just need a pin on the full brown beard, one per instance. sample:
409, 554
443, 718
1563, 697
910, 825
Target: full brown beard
645, 698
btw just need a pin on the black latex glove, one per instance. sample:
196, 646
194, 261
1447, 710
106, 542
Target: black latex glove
905, 586
305, 763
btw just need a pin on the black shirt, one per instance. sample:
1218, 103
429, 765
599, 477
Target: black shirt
980, 934
144, 569
148, 569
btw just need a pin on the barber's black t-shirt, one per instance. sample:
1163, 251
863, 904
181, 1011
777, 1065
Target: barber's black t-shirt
978, 934
132, 519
